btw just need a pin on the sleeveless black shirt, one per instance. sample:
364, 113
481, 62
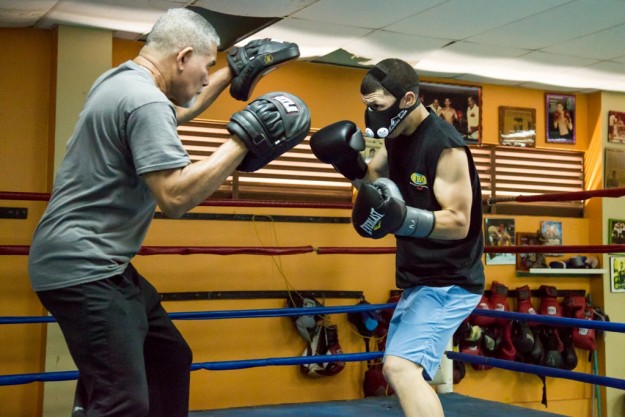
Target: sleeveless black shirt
412, 164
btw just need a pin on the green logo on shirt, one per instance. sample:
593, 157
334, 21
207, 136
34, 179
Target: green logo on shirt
419, 181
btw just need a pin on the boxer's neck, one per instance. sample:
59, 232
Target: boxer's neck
156, 74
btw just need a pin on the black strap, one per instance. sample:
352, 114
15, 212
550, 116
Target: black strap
544, 400
394, 88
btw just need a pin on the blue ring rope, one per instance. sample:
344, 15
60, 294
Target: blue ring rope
232, 314
349, 357
211, 366
281, 312
558, 321
538, 370
286, 312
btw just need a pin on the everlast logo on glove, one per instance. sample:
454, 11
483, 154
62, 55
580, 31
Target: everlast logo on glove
372, 223
371, 206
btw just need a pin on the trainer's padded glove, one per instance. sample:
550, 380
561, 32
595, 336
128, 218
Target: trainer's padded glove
250, 62
270, 126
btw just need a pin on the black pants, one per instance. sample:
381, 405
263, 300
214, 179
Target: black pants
132, 361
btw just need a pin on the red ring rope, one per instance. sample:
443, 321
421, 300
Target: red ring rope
173, 250
360, 251
224, 250
570, 196
293, 250
7, 195
4, 195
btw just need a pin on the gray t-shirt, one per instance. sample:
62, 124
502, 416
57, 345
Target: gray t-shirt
101, 208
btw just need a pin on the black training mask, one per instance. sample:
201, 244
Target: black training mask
381, 123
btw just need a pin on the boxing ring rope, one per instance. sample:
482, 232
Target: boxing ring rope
8, 195
330, 250
551, 197
487, 249
356, 357
548, 197
348, 357
191, 250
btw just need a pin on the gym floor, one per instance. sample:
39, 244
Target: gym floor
454, 405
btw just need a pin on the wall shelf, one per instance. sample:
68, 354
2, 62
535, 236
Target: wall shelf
562, 272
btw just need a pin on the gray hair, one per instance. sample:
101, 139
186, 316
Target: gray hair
180, 28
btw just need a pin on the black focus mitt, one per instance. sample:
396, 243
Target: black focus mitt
270, 126
250, 62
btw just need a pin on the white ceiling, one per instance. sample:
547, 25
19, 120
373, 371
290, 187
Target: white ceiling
565, 45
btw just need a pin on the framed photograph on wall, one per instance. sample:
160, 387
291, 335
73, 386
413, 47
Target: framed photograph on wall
525, 261
616, 230
499, 233
616, 127
552, 231
517, 126
560, 117
617, 274
457, 104
614, 175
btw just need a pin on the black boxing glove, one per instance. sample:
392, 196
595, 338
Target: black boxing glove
380, 209
270, 126
522, 336
553, 348
340, 144
250, 62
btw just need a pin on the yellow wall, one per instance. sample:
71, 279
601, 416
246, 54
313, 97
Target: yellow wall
613, 209
24, 106
332, 94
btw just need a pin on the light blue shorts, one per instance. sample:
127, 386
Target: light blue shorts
424, 322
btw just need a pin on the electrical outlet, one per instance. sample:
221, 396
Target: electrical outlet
13, 213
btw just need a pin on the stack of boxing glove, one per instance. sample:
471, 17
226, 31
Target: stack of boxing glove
525, 333
374, 383
488, 336
550, 334
321, 337
325, 341
502, 329
575, 306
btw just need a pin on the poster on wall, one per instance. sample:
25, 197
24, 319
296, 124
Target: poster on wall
499, 233
459, 105
525, 261
616, 229
614, 175
552, 231
616, 127
560, 118
517, 126
617, 273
